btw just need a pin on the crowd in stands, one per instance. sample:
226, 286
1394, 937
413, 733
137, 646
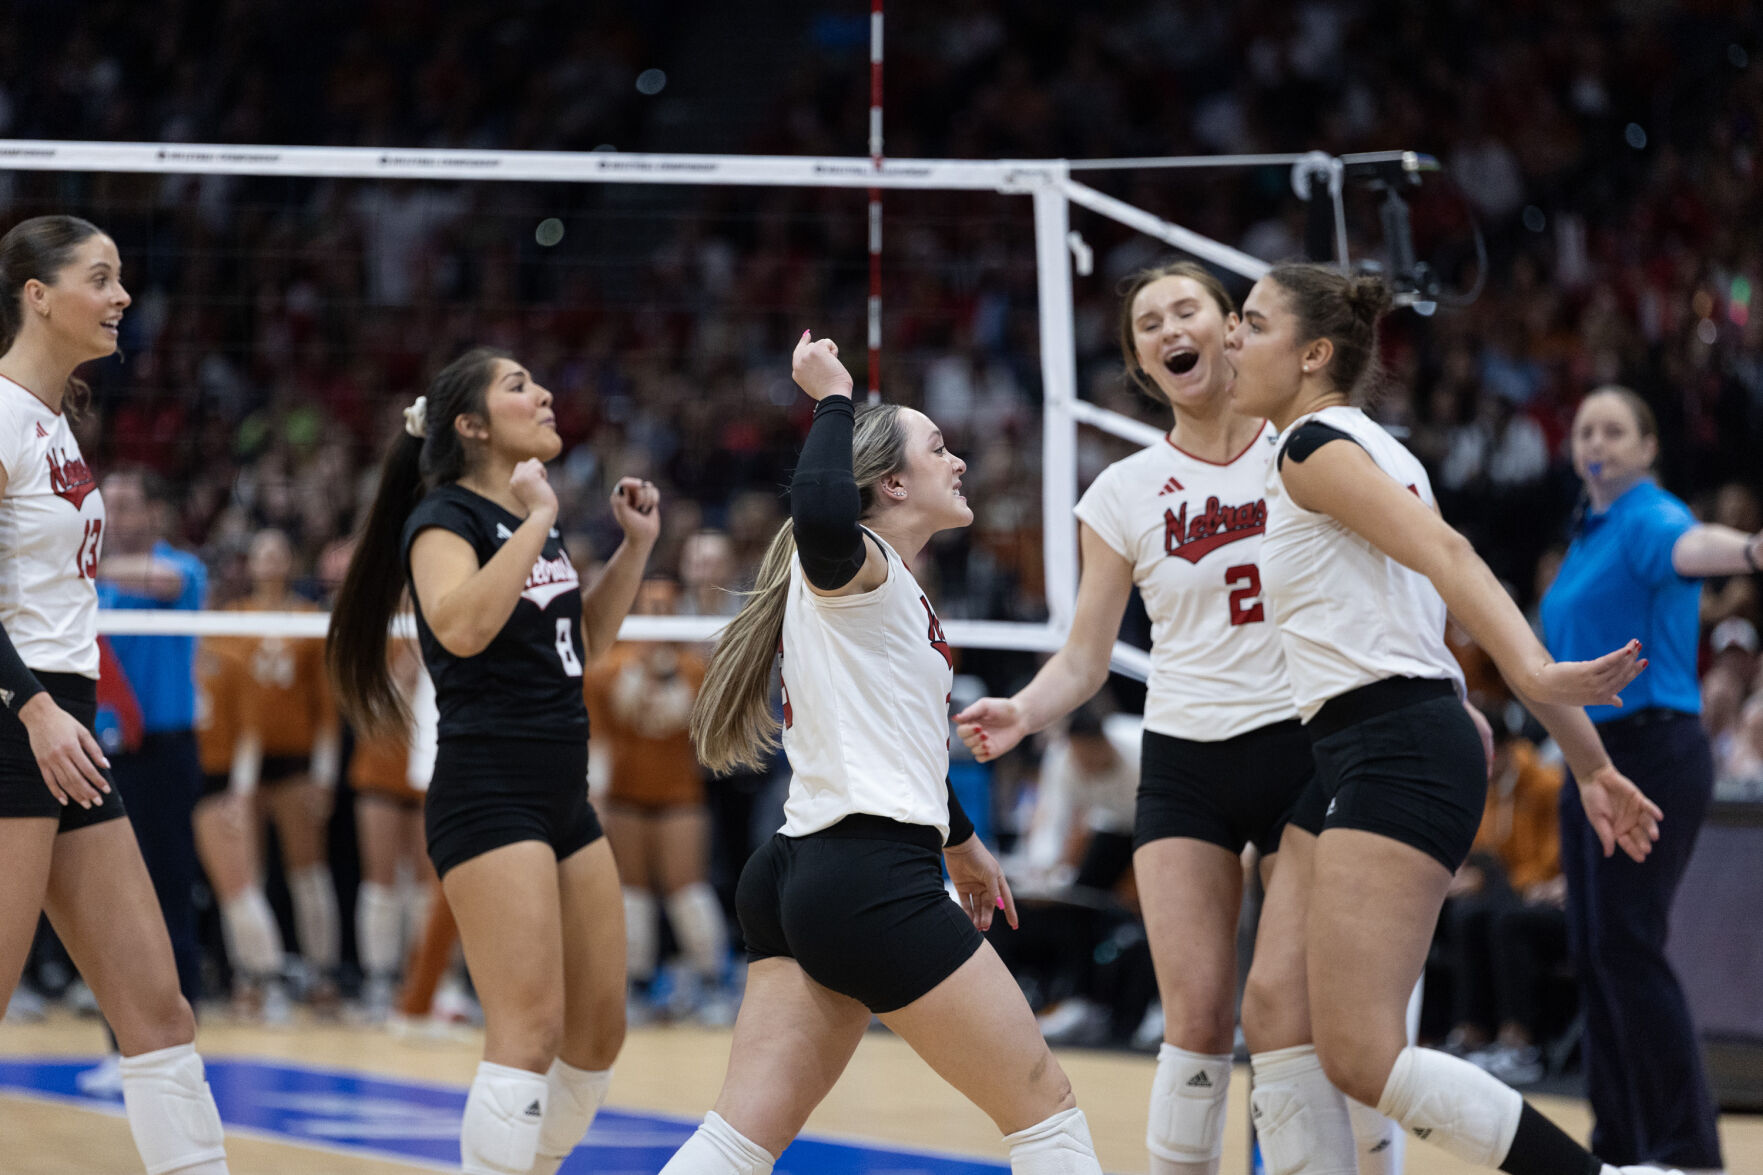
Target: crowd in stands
1608, 154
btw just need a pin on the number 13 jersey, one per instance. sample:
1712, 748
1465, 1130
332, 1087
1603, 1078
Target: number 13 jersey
51, 535
1191, 529
528, 682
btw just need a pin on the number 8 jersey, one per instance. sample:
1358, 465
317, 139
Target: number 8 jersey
51, 534
528, 682
1191, 529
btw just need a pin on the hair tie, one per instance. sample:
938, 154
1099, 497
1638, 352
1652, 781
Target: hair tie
416, 418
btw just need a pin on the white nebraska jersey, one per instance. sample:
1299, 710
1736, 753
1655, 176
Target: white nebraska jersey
1192, 531
1349, 614
866, 682
51, 530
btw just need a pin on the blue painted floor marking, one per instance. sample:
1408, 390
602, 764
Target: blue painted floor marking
395, 1119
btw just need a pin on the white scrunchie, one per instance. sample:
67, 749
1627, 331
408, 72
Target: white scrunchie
416, 418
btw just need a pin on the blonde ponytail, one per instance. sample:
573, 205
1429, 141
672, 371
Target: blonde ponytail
732, 723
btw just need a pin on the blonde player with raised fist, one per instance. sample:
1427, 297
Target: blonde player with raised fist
844, 911
66, 847
1224, 760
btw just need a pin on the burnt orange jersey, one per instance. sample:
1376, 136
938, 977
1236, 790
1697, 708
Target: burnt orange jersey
222, 696
639, 700
290, 693
381, 762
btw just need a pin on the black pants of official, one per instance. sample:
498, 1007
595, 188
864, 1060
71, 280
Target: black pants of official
1644, 1074
160, 784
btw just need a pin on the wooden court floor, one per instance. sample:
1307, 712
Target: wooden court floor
887, 1095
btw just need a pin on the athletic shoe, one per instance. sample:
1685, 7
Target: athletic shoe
102, 1080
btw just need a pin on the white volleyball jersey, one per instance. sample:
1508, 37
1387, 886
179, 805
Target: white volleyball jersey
1192, 531
1348, 614
51, 533
866, 681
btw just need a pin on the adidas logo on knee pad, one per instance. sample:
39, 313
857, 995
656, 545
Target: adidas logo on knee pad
535, 1110
1199, 1081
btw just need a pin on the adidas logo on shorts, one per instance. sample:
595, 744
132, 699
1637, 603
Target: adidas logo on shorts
535, 1110
1199, 1081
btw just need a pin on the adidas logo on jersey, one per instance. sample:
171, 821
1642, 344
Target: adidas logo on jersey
6, 697
41, 431
1169, 487
503, 534
1200, 1081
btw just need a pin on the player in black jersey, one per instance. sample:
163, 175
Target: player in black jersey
66, 845
465, 514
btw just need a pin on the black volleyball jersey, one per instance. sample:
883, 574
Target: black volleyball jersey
528, 682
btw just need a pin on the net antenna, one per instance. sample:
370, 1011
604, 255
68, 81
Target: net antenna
1048, 183
875, 200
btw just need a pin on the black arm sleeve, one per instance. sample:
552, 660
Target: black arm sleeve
824, 503
18, 684
960, 827
1308, 438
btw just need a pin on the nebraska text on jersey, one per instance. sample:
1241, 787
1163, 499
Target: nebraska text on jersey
69, 477
549, 579
1195, 538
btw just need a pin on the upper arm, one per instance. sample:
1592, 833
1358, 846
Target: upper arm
1102, 592
1343, 482
440, 561
872, 576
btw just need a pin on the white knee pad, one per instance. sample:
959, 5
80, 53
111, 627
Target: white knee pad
1059, 1145
378, 938
716, 1148
503, 1113
1379, 1141
415, 896
1452, 1104
696, 917
1300, 1119
1186, 1123
251, 933
572, 1098
171, 1111
642, 938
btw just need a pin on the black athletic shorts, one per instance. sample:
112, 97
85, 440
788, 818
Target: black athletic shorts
1233, 792
22, 790
275, 769
861, 906
490, 792
1401, 758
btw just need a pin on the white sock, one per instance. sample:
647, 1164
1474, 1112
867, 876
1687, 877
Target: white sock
642, 938
252, 934
1300, 1118
573, 1096
716, 1148
500, 1134
377, 937
1380, 1142
1059, 1145
1452, 1104
315, 916
171, 1113
1185, 1129
696, 917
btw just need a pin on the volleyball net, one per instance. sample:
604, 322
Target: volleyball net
291, 300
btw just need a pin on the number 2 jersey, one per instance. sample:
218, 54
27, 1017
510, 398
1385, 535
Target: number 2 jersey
51, 533
527, 683
1191, 529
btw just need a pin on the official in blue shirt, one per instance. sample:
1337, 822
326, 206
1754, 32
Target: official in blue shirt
161, 780
1632, 570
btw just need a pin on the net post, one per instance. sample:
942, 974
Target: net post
1059, 391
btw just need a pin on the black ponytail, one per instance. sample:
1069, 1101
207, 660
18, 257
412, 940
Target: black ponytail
355, 646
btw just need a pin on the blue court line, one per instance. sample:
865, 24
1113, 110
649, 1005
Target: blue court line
353, 1113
